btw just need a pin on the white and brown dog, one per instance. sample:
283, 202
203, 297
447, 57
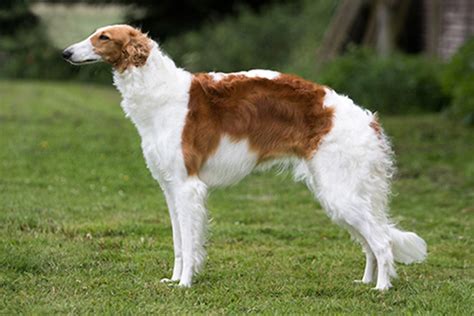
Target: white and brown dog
207, 130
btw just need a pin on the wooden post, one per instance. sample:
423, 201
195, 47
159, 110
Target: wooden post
432, 26
337, 32
384, 38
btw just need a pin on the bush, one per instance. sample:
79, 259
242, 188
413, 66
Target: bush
34, 58
396, 84
250, 40
26, 52
458, 80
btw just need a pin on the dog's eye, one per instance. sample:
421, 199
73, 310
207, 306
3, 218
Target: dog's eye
104, 37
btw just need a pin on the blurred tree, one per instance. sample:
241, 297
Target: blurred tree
15, 15
435, 27
169, 17
33, 56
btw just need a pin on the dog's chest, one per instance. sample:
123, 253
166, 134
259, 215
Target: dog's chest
155, 162
163, 156
161, 143
229, 164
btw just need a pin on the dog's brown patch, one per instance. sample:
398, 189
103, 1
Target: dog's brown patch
122, 46
279, 117
375, 125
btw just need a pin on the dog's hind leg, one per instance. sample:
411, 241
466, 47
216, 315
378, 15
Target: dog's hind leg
370, 265
378, 240
178, 257
341, 182
192, 215
370, 261
348, 209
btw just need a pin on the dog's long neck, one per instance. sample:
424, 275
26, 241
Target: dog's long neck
152, 88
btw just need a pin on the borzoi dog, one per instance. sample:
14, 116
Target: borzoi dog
207, 130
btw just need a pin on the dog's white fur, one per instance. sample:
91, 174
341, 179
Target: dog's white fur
349, 173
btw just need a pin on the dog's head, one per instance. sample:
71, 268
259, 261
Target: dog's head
121, 46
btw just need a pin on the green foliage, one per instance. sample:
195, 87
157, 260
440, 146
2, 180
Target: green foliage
458, 80
84, 228
274, 38
28, 53
164, 19
15, 15
34, 57
396, 84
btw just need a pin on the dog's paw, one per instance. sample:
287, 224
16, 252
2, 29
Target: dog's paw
382, 288
184, 285
166, 280
362, 281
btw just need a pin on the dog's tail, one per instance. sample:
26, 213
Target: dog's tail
407, 247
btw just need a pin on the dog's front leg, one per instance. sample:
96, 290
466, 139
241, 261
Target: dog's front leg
192, 216
178, 257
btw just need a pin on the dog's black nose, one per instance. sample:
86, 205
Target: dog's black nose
67, 54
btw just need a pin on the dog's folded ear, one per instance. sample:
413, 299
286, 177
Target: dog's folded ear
135, 51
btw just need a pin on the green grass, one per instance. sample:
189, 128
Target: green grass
84, 228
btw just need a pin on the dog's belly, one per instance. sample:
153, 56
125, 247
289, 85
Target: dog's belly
229, 164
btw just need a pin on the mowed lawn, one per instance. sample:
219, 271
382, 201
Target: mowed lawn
84, 229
